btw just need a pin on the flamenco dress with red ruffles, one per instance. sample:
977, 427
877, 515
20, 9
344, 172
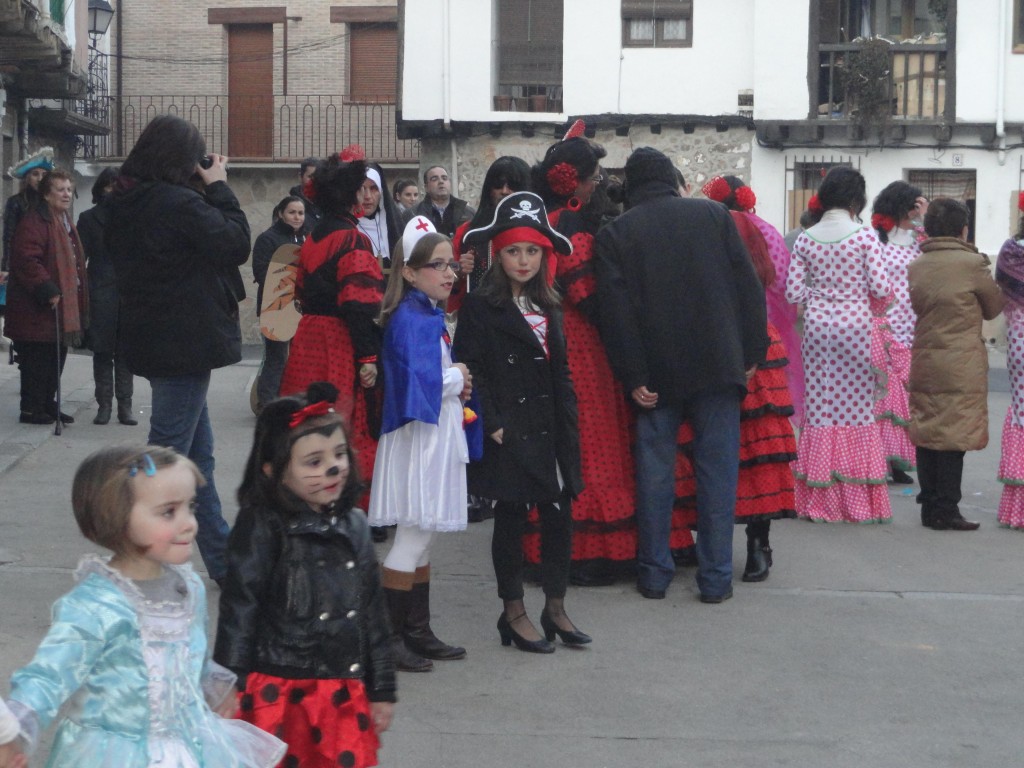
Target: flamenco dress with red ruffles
767, 446
604, 526
1011, 460
340, 287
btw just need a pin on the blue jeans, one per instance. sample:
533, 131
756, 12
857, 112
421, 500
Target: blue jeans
715, 418
181, 421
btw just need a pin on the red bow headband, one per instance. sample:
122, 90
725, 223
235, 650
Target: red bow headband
313, 409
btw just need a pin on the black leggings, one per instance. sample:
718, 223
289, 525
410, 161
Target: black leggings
555, 547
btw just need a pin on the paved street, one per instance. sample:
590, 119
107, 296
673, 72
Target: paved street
869, 646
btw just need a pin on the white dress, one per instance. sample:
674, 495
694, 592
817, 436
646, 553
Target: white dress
419, 477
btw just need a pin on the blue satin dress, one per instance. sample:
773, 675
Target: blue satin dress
137, 680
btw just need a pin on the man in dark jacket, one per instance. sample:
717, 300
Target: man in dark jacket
682, 315
445, 212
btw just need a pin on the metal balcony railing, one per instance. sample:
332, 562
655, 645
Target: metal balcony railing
916, 81
267, 128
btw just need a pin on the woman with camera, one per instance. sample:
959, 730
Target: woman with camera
176, 252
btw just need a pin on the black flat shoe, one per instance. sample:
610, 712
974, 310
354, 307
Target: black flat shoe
36, 418
899, 477
509, 636
959, 524
64, 418
568, 636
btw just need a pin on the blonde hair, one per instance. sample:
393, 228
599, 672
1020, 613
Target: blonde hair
397, 284
102, 493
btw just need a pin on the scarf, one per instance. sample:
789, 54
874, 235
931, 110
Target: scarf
68, 257
1010, 272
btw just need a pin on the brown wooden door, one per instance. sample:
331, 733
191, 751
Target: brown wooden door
250, 90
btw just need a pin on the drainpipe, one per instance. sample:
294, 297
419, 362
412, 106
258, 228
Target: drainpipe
1001, 82
446, 88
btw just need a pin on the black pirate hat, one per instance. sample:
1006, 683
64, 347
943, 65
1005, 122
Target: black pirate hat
520, 209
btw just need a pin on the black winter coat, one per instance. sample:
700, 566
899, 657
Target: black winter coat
104, 301
528, 395
302, 599
176, 253
681, 308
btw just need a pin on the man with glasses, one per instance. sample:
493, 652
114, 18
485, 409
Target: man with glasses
445, 212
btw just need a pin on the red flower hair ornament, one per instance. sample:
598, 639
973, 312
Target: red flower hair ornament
717, 189
882, 222
745, 198
814, 205
563, 179
351, 152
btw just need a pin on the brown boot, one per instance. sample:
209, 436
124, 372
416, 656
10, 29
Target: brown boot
397, 587
419, 637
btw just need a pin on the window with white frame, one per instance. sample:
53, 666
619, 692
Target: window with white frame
657, 23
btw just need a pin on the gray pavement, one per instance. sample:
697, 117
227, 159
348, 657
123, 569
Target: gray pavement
868, 646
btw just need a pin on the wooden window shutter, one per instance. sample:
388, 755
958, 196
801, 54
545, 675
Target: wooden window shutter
373, 62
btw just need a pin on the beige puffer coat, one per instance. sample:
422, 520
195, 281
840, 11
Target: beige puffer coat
951, 290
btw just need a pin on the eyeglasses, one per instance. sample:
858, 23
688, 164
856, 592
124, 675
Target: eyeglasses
596, 179
441, 266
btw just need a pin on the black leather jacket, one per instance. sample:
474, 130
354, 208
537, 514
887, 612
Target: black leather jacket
302, 599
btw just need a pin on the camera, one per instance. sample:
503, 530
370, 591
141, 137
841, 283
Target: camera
206, 162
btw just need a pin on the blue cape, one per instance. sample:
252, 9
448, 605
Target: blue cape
411, 361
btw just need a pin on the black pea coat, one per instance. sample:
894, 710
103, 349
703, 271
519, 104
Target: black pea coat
104, 301
525, 393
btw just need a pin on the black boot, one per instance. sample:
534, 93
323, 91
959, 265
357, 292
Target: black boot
103, 376
124, 413
398, 611
419, 637
759, 554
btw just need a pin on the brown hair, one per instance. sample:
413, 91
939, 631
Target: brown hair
51, 176
397, 284
946, 217
496, 287
103, 494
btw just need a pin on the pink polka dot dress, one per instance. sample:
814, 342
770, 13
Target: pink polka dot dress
892, 339
840, 469
1011, 463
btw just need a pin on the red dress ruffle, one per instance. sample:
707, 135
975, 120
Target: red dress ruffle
765, 489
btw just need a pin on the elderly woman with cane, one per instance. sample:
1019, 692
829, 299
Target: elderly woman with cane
48, 297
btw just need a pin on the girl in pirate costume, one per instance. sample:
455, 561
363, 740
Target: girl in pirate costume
340, 286
510, 336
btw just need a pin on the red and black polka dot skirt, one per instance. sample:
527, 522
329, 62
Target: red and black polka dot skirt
323, 722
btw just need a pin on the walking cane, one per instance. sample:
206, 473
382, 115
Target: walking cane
59, 426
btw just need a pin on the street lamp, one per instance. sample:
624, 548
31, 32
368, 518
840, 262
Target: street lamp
100, 14
96, 105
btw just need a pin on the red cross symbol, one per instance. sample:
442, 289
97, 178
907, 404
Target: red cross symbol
423, 225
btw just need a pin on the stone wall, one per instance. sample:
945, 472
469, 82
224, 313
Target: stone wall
700, 155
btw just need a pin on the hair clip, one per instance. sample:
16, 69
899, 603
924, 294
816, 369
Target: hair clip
146, 464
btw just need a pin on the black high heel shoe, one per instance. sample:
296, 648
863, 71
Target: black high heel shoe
509, 636
567, 636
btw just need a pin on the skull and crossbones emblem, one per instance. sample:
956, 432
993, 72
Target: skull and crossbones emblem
526, 209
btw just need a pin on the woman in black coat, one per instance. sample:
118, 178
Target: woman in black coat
110, 371
510, 336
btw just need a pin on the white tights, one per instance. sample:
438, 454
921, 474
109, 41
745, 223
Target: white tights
411, 549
